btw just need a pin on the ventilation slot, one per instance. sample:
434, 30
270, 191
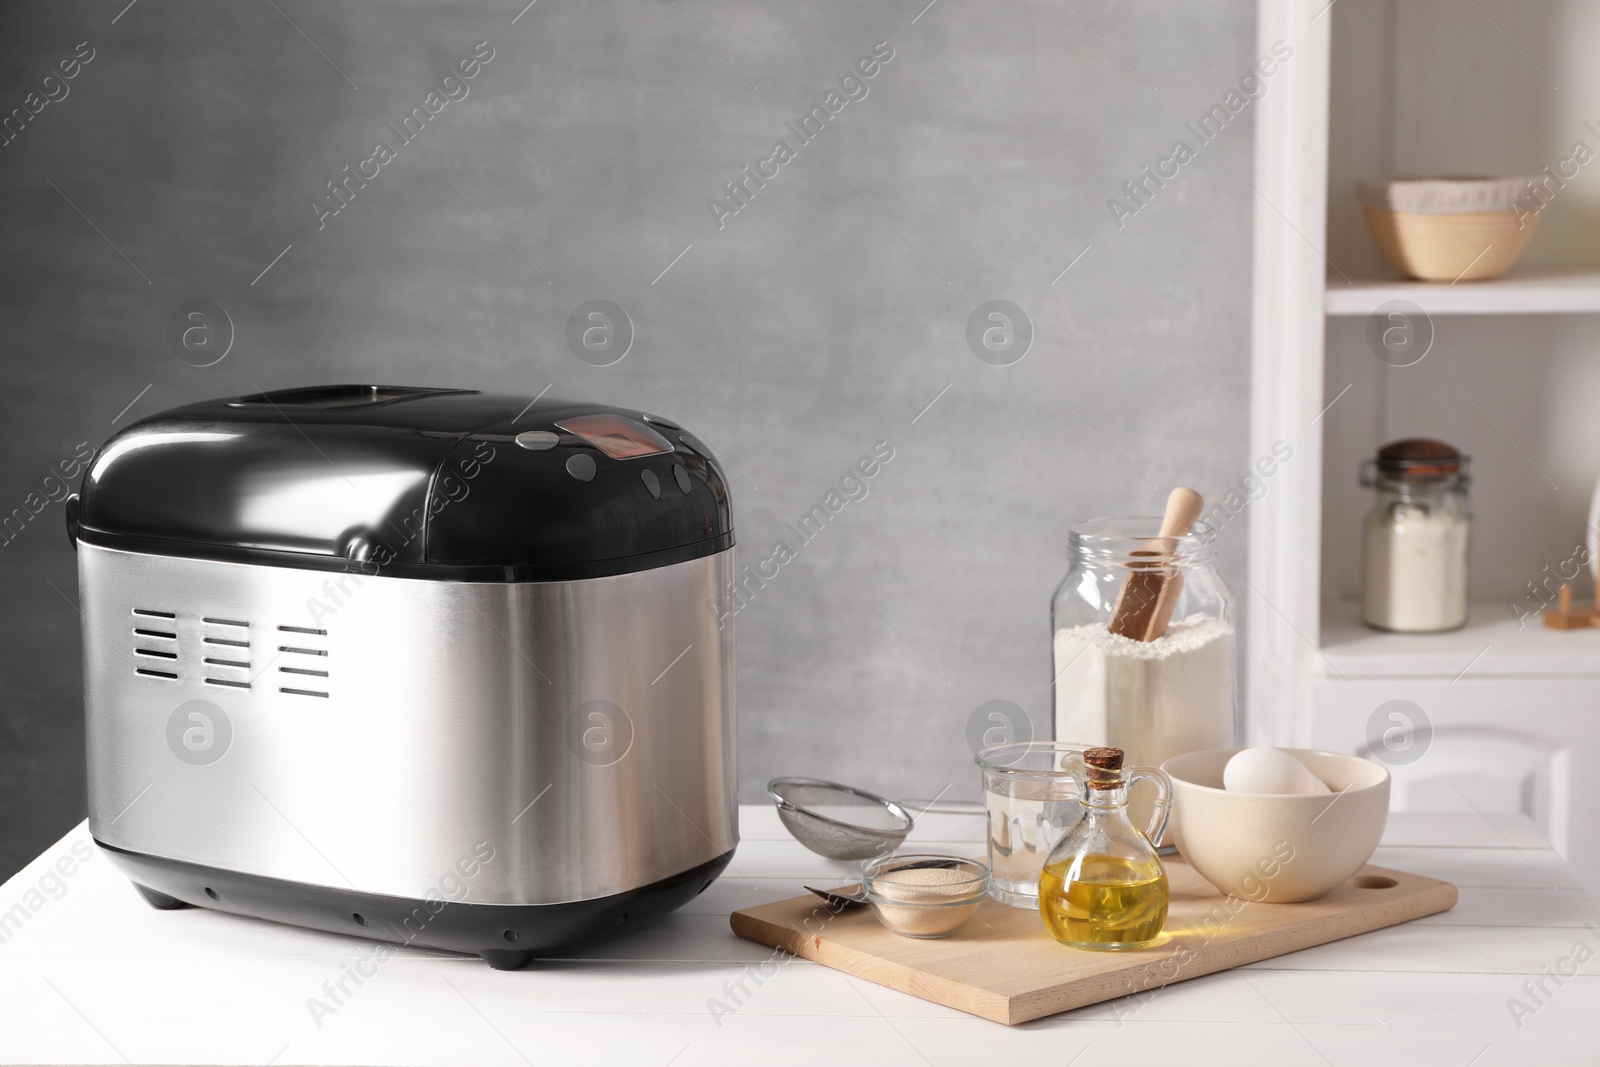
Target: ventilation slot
313, 673
145, 622
221, 663
303, 672
238, 636
224, 681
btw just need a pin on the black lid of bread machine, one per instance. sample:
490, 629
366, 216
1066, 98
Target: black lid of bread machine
424, 483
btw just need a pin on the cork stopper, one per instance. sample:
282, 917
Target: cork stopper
1104, 767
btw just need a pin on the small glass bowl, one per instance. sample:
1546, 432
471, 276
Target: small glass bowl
925, 895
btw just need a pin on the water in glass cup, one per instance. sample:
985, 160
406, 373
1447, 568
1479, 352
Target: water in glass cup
1030, 802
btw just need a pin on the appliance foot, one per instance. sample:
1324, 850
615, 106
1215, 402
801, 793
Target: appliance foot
505, 959
160, 901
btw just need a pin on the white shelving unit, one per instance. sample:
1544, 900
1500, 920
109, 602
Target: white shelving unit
1493, 644
1577, 292
1508, 713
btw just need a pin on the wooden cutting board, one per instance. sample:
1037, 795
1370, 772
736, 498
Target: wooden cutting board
1004, 966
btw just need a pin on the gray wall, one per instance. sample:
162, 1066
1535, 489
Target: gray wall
820, 320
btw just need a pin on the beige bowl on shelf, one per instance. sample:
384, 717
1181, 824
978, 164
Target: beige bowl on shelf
1451, 229
1276, 848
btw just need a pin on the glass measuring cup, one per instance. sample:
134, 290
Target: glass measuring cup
1030, 801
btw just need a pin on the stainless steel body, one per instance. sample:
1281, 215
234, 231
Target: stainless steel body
582, 729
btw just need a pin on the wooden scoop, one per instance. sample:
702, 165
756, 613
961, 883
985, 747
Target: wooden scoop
1145, 604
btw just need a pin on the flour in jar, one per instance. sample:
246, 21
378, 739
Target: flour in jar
1152, 699
1414, 570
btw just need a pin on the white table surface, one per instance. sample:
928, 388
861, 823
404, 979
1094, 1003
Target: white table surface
93, 975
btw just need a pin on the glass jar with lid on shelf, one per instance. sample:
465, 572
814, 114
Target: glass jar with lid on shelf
1414, 540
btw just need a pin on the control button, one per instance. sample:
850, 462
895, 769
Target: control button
581, 467
681, 475
538, 440
693, 445
652, 483
657, 420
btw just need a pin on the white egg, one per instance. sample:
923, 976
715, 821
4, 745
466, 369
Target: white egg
1269, 770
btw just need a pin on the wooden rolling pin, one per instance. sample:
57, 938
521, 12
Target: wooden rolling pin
1144, 607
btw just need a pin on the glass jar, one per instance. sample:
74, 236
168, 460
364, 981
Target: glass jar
1152, 699
1414, 540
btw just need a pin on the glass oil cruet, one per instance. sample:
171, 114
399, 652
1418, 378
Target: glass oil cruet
1103, 886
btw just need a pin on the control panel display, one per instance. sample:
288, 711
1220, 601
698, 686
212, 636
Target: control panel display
617, 437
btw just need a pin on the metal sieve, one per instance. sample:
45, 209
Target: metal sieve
839, 821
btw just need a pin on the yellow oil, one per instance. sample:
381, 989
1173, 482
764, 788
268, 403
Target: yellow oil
1111, 902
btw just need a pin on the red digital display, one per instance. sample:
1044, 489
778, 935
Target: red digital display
616, 436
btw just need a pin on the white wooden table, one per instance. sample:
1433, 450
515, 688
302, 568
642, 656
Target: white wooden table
90, 974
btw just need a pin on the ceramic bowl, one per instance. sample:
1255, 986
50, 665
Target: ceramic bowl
1451, 229
1274, 848
1468, 247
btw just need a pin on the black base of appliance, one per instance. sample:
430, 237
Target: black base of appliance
506, 936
